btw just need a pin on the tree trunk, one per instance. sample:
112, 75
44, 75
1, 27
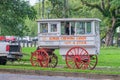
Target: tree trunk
110, 33
109, 38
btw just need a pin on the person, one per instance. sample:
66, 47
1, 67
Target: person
67, 30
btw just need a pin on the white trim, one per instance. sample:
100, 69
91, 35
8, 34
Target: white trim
68, 19
38, 27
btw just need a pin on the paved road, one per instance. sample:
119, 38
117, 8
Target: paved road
9, 76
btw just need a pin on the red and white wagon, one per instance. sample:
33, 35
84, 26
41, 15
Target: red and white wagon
77, 39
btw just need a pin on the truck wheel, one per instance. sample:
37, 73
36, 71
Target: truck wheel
3, 60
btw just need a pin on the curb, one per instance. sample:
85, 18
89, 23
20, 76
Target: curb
67, 74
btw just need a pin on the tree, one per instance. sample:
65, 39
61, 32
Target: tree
110, 10
12, 16
60, 8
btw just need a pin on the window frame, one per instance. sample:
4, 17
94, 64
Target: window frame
85, 27
41, 29
50, 29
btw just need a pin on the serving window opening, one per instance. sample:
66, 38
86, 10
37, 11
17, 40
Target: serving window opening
67, 28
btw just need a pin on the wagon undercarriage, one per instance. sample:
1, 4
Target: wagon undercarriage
75, 58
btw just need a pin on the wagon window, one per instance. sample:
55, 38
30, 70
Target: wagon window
88, 27
53, 27
80, 28
67, 28
97, 27
62, 28
72, 28
44, 28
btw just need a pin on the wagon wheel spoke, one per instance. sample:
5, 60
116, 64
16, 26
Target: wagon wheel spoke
34, 59
39, 58
85, 66
36, 63
93, 62
80, 58
53, 61
43, 59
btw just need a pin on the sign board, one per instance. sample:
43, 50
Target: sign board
66, 40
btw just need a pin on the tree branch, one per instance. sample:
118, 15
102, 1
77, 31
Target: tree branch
102, 4
93, 6
108, 4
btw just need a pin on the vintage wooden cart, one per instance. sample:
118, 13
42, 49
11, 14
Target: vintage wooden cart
77, 39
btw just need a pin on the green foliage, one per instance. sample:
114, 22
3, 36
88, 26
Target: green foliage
57, 6
12, 15
115, 3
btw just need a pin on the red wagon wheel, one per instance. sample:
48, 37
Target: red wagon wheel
77, 57
93, 61
39, 58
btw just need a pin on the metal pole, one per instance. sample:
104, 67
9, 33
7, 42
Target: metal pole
42, 9
65, 9
39, 7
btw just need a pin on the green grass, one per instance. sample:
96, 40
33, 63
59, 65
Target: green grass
109, 57
108, 62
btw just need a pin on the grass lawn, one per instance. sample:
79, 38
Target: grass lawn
108, 62
109, 57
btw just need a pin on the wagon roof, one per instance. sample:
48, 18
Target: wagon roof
68, 19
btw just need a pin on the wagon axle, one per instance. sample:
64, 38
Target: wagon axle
77, 59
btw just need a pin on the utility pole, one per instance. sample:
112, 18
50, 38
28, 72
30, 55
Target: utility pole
43, 9
65, 9
39, 7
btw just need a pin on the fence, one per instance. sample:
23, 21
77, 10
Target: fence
27, 44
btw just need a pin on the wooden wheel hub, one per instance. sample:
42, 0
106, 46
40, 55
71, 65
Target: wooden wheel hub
77, 59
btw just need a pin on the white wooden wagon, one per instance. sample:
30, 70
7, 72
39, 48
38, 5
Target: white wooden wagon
77, 39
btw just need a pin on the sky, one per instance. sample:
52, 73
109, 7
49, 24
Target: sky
32, 2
